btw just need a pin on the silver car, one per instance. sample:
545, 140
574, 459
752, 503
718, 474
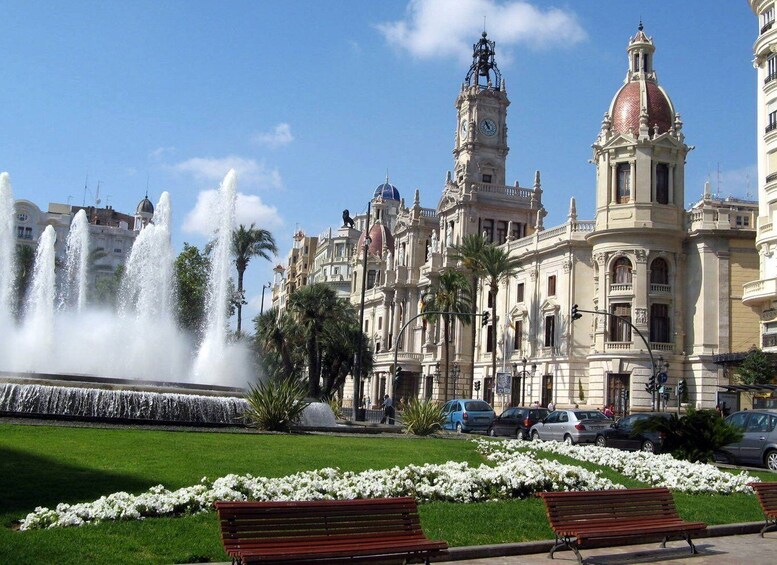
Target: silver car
571, 426
758, 446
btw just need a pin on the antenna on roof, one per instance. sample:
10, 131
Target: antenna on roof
717, 191
97, 195
86, 184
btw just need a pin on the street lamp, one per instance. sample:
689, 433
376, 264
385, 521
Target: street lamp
522, 377
357, 416
261, 308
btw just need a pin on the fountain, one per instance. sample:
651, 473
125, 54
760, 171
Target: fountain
66, 358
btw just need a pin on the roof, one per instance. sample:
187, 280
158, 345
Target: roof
632, 98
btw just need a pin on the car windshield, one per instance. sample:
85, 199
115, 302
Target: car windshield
477, 406
590, 415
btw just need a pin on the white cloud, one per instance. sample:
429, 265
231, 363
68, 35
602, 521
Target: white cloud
250, 172
441, 28
279, 136
739, 183
159, 153
249, 209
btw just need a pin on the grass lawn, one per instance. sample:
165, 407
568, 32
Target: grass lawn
42, 466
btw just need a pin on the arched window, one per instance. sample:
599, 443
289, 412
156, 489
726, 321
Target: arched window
659, 272
621, 271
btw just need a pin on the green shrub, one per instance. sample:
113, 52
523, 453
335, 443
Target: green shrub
693, 437
275, 405
422, 417
336, 404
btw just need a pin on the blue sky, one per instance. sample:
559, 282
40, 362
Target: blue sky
312, 102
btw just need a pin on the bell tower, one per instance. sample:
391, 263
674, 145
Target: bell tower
481, 136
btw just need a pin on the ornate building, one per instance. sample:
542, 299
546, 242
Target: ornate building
675, 276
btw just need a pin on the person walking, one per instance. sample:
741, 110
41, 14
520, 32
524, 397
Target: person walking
551, 406
388, 411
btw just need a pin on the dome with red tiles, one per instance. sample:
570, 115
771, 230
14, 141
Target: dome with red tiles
632, 98
380, 238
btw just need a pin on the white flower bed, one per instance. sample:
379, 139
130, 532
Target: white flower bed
514, 475
656, 470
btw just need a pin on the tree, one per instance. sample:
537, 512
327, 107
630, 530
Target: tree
468, 253
191, 274
277, 344
338, 348
106, 289
756, 369
25, 263
312, 306
450, 294
246, 244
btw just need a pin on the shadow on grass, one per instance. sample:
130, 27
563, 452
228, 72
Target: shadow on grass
27, 481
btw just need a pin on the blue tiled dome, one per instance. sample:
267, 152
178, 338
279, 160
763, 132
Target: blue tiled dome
387, 191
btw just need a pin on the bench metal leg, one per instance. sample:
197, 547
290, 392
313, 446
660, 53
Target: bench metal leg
686, 537
771, 524
566, 542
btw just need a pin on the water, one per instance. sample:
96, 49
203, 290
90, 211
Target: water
63, 334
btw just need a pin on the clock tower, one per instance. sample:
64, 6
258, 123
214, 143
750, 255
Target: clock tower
481, 136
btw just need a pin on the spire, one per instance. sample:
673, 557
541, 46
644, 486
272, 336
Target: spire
484, 65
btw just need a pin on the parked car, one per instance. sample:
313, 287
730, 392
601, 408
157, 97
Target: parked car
571, 426
622, 435
516, 421
759, 439
467, 415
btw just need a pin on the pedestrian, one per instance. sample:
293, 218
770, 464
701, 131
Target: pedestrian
388, 411
719, 410
536, 404
577, 405
551, 406
609, 412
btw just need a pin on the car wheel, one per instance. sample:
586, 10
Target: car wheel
648, 446
568, 440
491, 432
519, 434
771, 459
601, 441
535, 435
459, 429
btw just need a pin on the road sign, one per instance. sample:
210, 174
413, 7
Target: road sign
668, 389
662, 377
503, 381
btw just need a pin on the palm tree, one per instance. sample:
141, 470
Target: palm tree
276, 343
313, 306
247, 243
338, 348
450, 294
497, 266
468, 254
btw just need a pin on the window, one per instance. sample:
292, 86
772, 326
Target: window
339, 250
371, 276
550, 331
621, 271
501, 232
659, 323
489, 339
771, 68
662, 183
620, 328
743, 221
659, 272
772, 121
518, 339
22, 217
117, 249
767, 19
517, 229
380, 323
519, 292
488, 228
552, 285
487, 179
623, 194
23, 233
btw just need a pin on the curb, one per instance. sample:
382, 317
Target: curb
542, 546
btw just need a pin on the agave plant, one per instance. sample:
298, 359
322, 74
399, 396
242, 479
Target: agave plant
422, 417
275, 405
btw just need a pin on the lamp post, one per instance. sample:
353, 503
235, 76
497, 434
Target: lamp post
357, 416
261, 308
456, 372
523, 374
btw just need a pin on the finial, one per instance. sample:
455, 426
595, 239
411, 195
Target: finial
537, 183
387, 176
640, 27
572, 209
417, 198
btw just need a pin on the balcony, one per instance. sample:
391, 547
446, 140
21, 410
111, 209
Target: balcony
756, 292
661, 346
660, 288
618, 345
621, 288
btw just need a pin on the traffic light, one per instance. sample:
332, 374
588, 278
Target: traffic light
681, 387
651, 382
477, 385
397, 371
485, 315
575, 314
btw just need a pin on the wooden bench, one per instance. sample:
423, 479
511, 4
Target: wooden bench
329, 530
581, 517
767, 496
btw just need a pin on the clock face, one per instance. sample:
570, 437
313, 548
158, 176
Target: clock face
488, 127
464, 128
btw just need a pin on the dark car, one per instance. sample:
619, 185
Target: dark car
516, 421
758, 445
623, 436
